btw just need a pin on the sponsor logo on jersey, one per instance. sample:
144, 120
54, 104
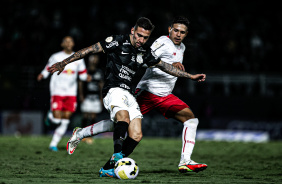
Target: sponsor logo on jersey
113, 43
124, 52
128, 69
125, 73
126, 43
109, 39
141, 49
97, 76
68, 71
139, 58
124, 76
124, 86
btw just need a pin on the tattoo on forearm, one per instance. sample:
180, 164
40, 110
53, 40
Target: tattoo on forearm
168, 68
83, 52
96, 48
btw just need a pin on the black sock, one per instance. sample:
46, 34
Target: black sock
108, 165
120, 130
128, 146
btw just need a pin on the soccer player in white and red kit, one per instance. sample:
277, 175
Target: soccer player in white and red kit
63, 89
154, 91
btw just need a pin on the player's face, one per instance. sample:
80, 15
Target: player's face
177, 33
139, 36
68, 43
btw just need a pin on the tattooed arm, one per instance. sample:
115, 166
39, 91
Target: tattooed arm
76, 56
172, 70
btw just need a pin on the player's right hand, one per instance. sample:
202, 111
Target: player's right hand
39, 77
199, 77
89, 78
60, 66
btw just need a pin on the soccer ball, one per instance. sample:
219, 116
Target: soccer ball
126, 168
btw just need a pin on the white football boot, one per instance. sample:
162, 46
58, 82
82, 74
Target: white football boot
73, 141
191, 166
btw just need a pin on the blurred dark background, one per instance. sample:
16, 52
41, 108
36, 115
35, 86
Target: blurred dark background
236, 43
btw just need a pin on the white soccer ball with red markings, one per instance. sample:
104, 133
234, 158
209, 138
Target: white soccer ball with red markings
126, 168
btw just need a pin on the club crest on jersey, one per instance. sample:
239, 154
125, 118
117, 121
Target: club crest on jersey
139, 58
109, 39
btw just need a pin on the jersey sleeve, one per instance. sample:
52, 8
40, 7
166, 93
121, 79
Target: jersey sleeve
158, 47
151, 58
45, 72
110, 43
82, 72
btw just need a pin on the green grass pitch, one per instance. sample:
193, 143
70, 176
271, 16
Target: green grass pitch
28, 160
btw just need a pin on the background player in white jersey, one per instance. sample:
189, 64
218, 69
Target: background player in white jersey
126, 55
90, 93
63, 89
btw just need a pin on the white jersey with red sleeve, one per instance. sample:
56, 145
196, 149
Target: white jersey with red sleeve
65, 84
156, 81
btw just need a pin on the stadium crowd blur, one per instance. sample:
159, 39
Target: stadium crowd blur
225, 38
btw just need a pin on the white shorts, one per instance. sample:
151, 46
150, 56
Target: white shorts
120, 99
91, 105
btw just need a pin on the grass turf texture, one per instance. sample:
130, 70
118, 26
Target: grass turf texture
28, 160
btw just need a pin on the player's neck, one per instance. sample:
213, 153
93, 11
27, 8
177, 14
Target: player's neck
67, 51
173, 42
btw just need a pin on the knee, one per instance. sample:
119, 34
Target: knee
188, 115
137, 136
185, 115
122, 116
66, 115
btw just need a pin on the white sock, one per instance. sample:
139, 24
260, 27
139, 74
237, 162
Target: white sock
96, 128
54, 120
59, 132
188, 138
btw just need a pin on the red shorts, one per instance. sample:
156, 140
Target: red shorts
63, 103
168, 106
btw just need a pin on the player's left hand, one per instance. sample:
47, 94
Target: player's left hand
60, 66
199, 77
179, 66
89, 78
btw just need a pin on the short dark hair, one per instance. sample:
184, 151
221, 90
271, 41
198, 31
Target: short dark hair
180, 20
144, 23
